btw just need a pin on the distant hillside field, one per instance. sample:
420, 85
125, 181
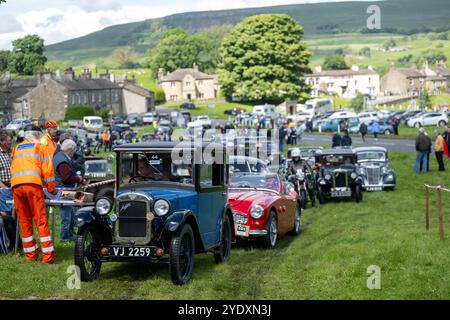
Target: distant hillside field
397, 16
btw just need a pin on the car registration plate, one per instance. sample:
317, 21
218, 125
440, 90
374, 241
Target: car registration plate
131, 252
374, 188
242, 230
341, 193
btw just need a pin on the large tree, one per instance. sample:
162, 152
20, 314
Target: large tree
124, 57
177, 49
27, 55
264, 59
335, 63
4, 58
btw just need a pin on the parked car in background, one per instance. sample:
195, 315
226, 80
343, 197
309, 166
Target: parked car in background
117, 120
316, 106
385, 127
166, 210
149, 117
243, 164
368, 117
92, 123
187, 105
373, 167
338, 177
201, 121
18, 124
264, 206
120, 128
99, 172
235, 111
332, 125
164, 126
408, 115
134, 120
428, 119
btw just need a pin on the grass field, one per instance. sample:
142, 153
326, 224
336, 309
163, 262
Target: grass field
328, 260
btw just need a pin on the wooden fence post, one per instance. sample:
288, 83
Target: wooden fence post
427, 207
441, 222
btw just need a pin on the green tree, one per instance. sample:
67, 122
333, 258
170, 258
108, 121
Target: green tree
27, 55
124, 57
263, 59
357, 104
432, 57
56, 65
335, 63
365, 52
389, 44
4, 58
177, 49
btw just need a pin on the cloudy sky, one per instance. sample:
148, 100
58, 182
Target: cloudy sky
59, 20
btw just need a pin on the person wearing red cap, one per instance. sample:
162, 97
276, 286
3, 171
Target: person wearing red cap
49, 139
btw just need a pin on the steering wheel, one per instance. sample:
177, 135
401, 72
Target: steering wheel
133, 178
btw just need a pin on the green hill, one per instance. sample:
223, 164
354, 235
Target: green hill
397, 16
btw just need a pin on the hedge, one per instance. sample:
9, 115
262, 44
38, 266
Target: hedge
78, 112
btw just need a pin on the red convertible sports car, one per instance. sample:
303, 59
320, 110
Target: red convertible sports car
264, 206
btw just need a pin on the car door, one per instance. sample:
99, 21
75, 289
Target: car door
287, 203
211, 202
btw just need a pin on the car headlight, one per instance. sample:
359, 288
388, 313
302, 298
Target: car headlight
301, 176
256, 211
103, 206
161, 207
327, 177
361, 171
384, 170
353, 175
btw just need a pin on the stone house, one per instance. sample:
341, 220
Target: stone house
50, 95
188, 84
402, 81
437, 78
13, 102
344, 83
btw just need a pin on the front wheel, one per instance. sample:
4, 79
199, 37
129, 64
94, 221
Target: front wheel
358, 194
181, 256
387, 132
86, 256
223, 253
320, 195
270, 240
303, 198
442, 123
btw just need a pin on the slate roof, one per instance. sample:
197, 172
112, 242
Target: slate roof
86, 84
179, 74
137, 89
411, 73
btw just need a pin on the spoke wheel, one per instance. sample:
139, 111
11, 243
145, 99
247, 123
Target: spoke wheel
270, 240
297, 222
86, 255
181, 258
223, 253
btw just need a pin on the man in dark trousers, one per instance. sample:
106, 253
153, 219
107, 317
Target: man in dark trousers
336, 140
439, 150
363, 131
346, 140
423, 145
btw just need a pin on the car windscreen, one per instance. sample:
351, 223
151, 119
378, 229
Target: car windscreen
334, 160
138, 167
98, 167
371, 156
96, 122
255, 182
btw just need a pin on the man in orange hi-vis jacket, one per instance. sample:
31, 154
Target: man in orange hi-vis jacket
31, 168
49, 139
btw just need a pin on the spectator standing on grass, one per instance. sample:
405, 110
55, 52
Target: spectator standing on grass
439, 150
446, 137
376, 130
336, 141
423, 145
66, 177
363, 131
346, 140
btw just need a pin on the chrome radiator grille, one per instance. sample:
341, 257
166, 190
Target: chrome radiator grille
373, 175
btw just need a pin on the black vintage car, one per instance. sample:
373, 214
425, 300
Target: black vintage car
338, 176
170, 203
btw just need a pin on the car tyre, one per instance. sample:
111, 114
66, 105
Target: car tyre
387, 132
358, 194
442, 123
270, 240
417, 125
320, 195
181, 256
297, 221
105, 193
223, 253
85, 256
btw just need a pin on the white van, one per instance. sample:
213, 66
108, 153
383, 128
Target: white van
267, 110
94, 123
317, 106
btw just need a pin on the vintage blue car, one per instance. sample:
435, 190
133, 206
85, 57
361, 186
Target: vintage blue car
167, 207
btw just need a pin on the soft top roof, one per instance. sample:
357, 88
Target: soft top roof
161, 145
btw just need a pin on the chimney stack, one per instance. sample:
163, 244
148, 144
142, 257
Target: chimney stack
160, 73
69, 74
195, 66
87, 74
